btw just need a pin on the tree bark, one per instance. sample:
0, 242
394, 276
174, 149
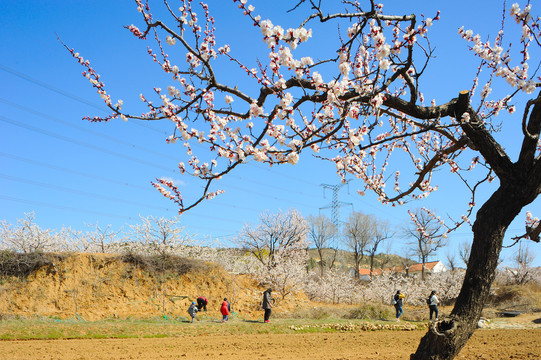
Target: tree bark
520, 185
446, 337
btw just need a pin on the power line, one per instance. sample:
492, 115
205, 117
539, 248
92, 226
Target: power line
66, 94
48, 133
79, 210
62, 207
84, 129
81, 143
78, 192
62, 169
116, 140
76, 98
71, 171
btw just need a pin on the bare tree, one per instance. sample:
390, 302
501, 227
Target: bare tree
382, 232
361, 98
359, 230
426, 235
522, 261
322, 233
464, 252
451, 260
385, 258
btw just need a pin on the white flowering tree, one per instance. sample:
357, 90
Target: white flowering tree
381, 288
158, 236
334, 286
358, 104
101, 239
279, 243
27, 237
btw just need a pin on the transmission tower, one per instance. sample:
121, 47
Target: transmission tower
335, 204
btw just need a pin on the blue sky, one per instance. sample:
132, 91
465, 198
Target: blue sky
71, 172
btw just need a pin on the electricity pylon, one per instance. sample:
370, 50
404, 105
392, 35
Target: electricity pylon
335, 205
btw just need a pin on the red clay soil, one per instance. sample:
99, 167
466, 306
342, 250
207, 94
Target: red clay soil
485, 344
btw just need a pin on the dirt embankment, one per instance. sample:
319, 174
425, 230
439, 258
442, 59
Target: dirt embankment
96, 286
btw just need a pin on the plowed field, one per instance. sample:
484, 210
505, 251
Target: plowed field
485, 344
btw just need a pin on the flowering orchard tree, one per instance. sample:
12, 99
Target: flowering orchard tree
334, 286
287, 273
381, 288
27, 237
360, 107
101, 239
159, 236
279, 243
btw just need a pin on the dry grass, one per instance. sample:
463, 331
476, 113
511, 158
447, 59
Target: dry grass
21, 265
165, 264
525, 298
345, 312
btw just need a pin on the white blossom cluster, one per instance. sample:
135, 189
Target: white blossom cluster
340, 287
287, 271
332, 106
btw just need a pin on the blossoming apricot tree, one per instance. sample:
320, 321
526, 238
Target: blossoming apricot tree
279, 243
362, 108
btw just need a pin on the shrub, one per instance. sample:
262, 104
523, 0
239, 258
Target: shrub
369, 312
314, 313
23, 264
164, 264
518, 297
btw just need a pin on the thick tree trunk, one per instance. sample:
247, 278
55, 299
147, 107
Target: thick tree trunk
520, 185
446, 337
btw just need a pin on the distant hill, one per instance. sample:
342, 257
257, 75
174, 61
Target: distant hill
344, 259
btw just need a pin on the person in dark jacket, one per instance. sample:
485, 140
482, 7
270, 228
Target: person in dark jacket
202, 303
397, 301
433, 303
267, 304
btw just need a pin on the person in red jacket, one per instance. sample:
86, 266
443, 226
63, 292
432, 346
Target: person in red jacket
202, 303
225, 310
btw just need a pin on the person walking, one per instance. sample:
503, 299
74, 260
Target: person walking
433, 303
225, 310
202, 303
398, 303
192, 310
267, 304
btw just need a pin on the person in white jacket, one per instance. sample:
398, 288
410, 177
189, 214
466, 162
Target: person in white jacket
433, 303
